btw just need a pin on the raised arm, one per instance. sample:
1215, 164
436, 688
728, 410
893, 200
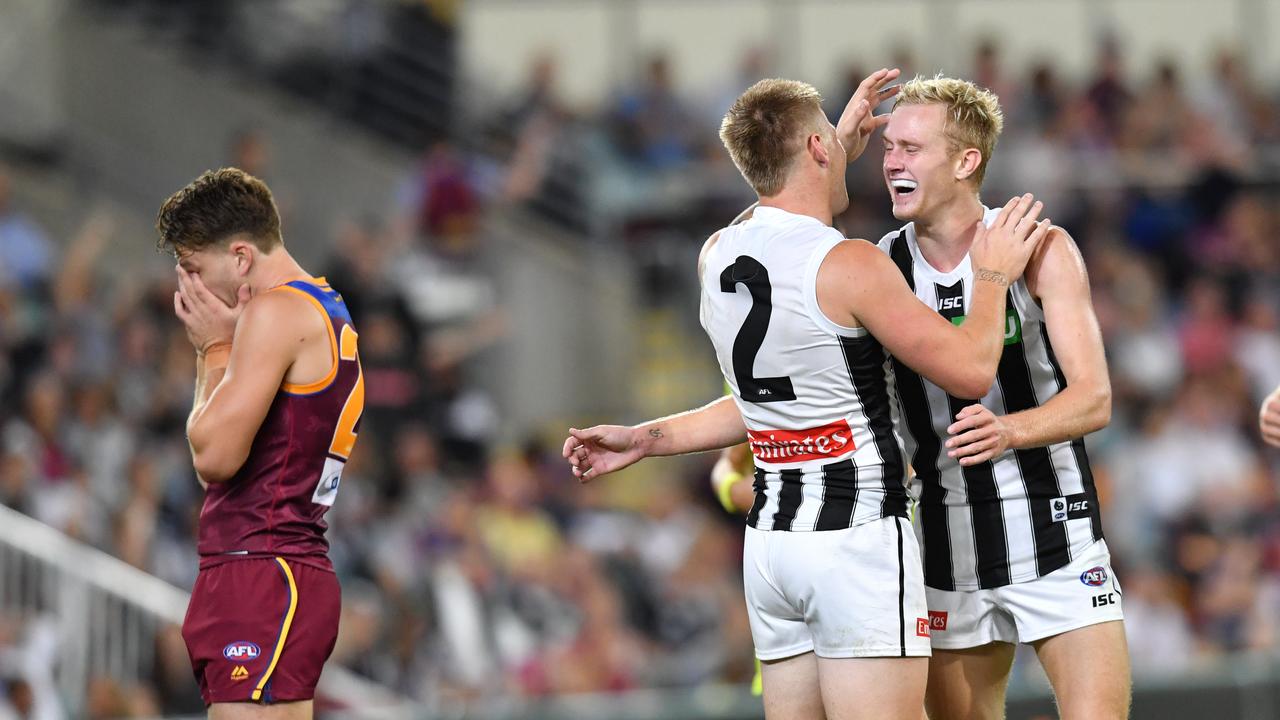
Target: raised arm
603, 449
1058, 279
858, 120
858, 284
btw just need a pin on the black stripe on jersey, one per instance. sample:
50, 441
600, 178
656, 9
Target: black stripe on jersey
758, 485
839, 495
938, 572
991, 546
900, 252
864, 358
789, 499
934, 523
1077, 445
1035, 465
1086, 474
902, 594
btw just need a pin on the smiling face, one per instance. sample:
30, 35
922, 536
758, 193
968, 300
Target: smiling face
921, 167
936, 145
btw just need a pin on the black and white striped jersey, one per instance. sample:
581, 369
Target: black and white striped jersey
1030, 511
815, 396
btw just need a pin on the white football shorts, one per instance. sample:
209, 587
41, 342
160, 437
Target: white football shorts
1082, 593
857, 592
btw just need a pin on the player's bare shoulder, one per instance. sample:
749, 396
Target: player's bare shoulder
283, 314
286, 318
1058, 262
851, 260
289, 321
849, 272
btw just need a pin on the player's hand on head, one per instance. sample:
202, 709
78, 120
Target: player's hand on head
1008, 244
1269, 418
209, 321
858, 120
977, 435
601, 450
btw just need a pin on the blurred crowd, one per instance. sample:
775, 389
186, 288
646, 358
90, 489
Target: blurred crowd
473, 571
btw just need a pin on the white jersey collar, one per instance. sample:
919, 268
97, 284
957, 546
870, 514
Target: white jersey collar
964, 269
770, 214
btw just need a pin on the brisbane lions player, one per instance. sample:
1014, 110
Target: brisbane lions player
279, 395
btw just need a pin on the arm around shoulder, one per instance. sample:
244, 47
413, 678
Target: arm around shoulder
859, 285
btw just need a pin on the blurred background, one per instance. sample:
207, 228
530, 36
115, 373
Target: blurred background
510, 194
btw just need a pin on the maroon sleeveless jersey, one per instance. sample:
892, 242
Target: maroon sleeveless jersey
275, 503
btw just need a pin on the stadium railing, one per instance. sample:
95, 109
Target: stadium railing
109, 615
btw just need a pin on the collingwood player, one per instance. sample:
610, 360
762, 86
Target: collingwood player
800, 319
1008, 513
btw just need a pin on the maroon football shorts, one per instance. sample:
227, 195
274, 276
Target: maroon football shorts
259, 629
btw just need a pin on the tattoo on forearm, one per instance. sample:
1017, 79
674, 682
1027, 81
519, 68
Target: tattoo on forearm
998, 278
655, 432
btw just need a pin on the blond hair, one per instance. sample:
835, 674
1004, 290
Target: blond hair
766, 128
973, 115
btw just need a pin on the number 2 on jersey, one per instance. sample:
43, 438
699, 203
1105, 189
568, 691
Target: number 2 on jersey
748, 272
344, 435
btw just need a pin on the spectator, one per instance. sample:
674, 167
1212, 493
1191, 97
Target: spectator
26, 254
653, 126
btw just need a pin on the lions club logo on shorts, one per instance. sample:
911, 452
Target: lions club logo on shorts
241, 650
1094, 577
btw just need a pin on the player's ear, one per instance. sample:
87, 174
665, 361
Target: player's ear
968, 163
818, 150
243, 253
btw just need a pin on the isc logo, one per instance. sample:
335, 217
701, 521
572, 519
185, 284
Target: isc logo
1104, 599
1062, 509
1094, 577
241, 651
953, 303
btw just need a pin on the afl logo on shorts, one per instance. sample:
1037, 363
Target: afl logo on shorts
241, 651
1094, 577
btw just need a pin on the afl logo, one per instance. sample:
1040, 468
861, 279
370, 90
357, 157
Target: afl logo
241, 651
1094, 577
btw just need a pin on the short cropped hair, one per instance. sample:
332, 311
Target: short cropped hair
973, 115
766, 128
214, 207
